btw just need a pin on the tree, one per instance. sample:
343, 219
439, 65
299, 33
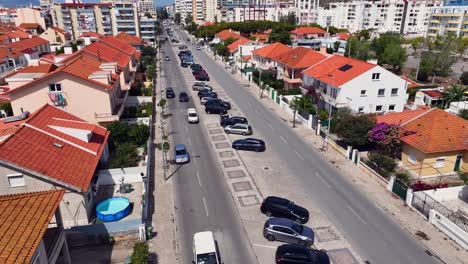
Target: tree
463, 114
353, 129
381, 43
177, 18
150, 72
191, 27
387, 137
330, 50
188, 19
358, 49
336, 46
364, 34
126, 155
140, 253
464, 78
302, 104
394, 55
280, 35
416, 44
425, 68
289, 19
454, 94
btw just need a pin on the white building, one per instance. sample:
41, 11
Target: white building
340, 81
147, 6
448, 19
184, 7
255, 13
210, 10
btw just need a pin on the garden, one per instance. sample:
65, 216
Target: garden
138, 111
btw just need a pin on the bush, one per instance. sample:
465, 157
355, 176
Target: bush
126, 155
463, 176
422, 186
124, 133
140, 253
148, 91
289, 92
385, 164
353, 129
404, 177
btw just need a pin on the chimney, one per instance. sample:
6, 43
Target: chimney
67, 50
87, 41
294, 44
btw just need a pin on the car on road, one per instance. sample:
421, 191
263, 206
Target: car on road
183, 97
215, 109
192, 115
206, 93
184, 64
281, 207
198, 71
297, 254
198, 48
170, 93
195, 65
167, 58
252, 144
205, 248
223, 103
241, 129
202, 77
228, 121
287, 230
198, 86
205, 99
181, 155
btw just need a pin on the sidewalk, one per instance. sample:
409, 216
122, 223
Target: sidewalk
438, 243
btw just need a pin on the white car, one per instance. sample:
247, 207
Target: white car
199, 85
167, 58
192, 116
198, 48
242, 129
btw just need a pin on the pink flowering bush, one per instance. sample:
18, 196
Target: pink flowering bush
387, 137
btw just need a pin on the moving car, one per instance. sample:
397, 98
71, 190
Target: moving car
242, 129
252, 144
170, 93
290, 253
198, 48
204, 248
206, 93
167, 58
202, 77
280, 207
215, 109
181, 154
287, 230
183, 97
228, 121
192, 116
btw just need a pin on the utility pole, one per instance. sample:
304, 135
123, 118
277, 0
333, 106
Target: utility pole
327, 136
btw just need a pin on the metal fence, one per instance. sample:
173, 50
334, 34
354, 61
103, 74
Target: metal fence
424, 203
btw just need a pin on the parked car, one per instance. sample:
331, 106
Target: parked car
202, 77
181, 154
297, 254
183, 97
192, 116
203, 100
215, 109
184, 64
167, 58
251, 144
281, 207
205, 93
197, 71
170, 93
228, 121
193, 66
242, 129
198, 48
287, 230
198, 86
223, 103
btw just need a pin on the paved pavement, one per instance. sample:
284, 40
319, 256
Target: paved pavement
376, 237
201, 196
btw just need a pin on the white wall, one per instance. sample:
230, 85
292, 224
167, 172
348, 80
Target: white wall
447, 194
113, 176
449, 228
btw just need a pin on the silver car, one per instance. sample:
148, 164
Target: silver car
287, 230
242, 129
198, 86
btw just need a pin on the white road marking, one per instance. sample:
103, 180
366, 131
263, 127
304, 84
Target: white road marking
206, 207
198, 177
270, 126
354, 212
189, 142
299, 155
259, 245
321, 178
282, 138
186, 128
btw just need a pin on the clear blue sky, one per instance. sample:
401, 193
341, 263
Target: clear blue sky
13, 3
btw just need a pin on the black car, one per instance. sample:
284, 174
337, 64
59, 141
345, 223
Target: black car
197, 71
280, 207
229, 121
170, 93
183, 97
184, 64
297, 254
198, 66
220, 102
251, 144
215, 109
207, 93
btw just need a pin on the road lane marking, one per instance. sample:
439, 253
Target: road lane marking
198, 177
299, 155
259, 245
321, 178
206, 207
189, 142
186, 128
282, 138
270, 126
354, 212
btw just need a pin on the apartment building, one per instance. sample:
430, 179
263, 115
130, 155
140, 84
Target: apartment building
184, 8
262, 12
147, 29
125, 18
448, 19
147, 6
210, 10
198, 11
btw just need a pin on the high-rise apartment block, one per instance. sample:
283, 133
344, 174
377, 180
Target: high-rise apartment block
449, 20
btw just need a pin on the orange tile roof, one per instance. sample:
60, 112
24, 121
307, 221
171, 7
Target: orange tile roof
328, 70
129, 39
24, 218
41, 68
433, 93
235, 45
91, 34
299, 58
437, 131
118, 44
27, 43
9, 53
344, 36
61, 31
17, 34
30, 25
137, 55
226, 34
308, 30
398, 118
106, 53
410, 83
271, 50
32, 148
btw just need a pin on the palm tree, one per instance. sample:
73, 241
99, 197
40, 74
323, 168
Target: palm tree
455, 93
302, 104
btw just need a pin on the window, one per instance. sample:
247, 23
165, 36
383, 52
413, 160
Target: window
412, 157
391, 108
363, 93
439, 163
375, 76
55, 87
16, 180
361, 109
381, 92
394, 91
378, 108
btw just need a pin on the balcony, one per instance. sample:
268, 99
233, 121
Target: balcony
452, 29
434, 21
116, 111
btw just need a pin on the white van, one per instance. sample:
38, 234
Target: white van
204, 248
192, 116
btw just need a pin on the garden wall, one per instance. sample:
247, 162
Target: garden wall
138, 100
113, 176
447, 194
138, 120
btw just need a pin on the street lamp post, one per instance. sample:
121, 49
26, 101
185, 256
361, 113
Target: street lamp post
325, 143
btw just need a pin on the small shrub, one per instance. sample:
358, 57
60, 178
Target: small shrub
162, 103
422, 186
289, 92
403, 176
140, 253
126, 155
384, 163
322, 114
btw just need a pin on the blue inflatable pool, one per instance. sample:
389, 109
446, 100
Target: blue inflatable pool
113, 209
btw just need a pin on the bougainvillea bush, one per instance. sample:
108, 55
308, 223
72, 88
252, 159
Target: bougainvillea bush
387, 137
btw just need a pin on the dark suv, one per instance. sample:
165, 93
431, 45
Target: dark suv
217, 101
280, 207
229, 121
215, 109
170, 93
296, 254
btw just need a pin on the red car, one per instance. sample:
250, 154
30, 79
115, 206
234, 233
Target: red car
202, 77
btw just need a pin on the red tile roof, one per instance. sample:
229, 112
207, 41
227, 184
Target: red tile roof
30, 25
226, 34
299, 58
91, 34
106, 53
29, 43
9, 53
398, 118
410, 83
32, 148
61, 31
17, 34
41, 68
207, 23
271, 50
433, 93
24, 219
344, 36
118, 44
235, 45
308, 30
129, 39
328, 70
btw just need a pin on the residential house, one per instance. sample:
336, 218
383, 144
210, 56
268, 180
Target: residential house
29, 15
224, 35
132, 40
293, 62
234, 50
56, 36
52, 149
34, 28
32, 228
429, 97
10, 60
363, 87
434, 141
308, 33
456, 107
90, 37
262, 58
37, 44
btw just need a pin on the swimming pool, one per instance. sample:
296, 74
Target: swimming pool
113, 209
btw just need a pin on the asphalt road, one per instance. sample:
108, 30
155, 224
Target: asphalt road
376, 236
201, 196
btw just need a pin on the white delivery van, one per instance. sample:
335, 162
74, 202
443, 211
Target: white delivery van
204, 248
